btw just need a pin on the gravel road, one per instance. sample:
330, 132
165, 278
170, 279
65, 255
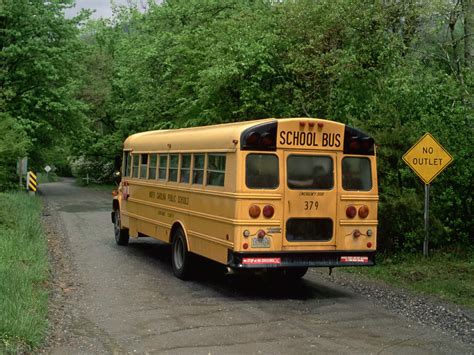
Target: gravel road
108, 299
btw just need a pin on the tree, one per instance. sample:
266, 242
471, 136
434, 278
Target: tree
39, 72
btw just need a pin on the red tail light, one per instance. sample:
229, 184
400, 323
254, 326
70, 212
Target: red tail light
351, 211
253, 138
254, 211
261, 233
268, 211
363, 212
356, 233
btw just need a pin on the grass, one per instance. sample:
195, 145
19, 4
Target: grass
446, 275
23, 274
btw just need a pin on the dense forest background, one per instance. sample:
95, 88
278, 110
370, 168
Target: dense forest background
73, 89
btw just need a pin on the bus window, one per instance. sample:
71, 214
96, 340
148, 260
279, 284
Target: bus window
173, 171
310, 172
152, 167
261, 171
185, 168
163, 166
216, 169
136, 163
198, 169
143, 165
356, 174
309, 229
127, 167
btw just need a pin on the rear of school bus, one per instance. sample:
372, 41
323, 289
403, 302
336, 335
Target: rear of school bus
308, 196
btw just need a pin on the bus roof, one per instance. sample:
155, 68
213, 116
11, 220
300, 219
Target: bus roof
209, 138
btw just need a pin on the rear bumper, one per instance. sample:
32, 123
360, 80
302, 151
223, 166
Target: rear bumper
240, 260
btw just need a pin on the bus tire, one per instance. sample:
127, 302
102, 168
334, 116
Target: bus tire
180, 256
121, 234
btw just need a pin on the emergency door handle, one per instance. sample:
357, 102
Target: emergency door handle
289, 209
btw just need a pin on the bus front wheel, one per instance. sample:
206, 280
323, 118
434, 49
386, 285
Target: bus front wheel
180, 256
121, 234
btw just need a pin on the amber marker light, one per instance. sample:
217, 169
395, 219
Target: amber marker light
363, 212
254, 211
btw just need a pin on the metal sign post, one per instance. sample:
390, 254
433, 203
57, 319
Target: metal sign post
22, 168
427, 158
427, 220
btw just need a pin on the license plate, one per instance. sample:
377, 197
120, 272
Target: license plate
261, 242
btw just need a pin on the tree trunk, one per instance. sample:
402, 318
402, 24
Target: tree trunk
468, 11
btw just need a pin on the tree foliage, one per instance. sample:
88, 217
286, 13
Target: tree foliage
38, 72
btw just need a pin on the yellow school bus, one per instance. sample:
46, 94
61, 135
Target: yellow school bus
275, 194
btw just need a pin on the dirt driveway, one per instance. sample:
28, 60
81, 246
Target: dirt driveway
111, 299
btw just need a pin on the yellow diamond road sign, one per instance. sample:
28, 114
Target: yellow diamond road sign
427, 158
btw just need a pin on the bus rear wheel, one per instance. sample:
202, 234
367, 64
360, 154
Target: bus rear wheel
180, 256
121, 234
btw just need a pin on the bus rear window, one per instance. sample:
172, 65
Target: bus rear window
356, 174
310, 172
262, 171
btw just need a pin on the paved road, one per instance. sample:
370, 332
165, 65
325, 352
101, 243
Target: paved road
113, 299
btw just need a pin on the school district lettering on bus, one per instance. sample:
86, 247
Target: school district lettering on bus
275, 194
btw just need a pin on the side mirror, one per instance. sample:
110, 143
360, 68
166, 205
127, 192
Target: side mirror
118, 163
117, 177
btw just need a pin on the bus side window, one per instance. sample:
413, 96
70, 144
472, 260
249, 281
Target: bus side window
127, 160
216, 170
152, 167
198, 168
185, 168
136, 164
163, 166
143, 165
173, 169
